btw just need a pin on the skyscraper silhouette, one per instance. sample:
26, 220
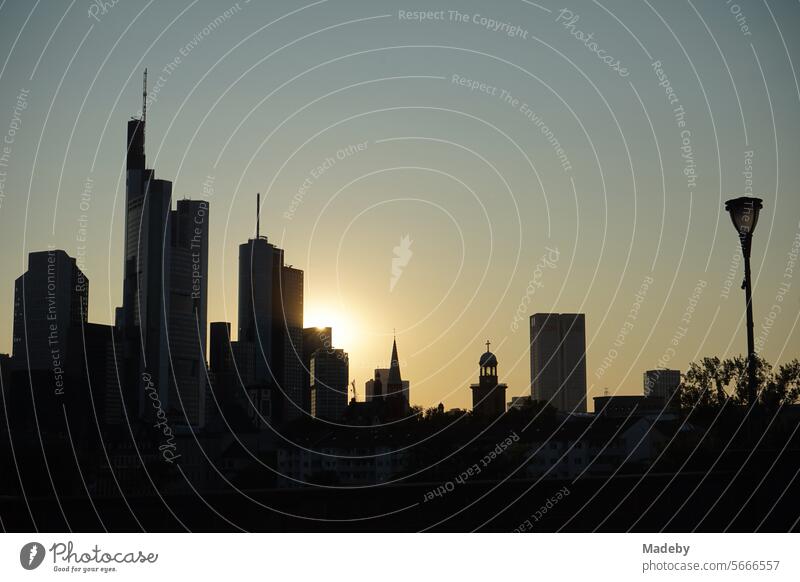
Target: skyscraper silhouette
65, 361
271, 320
51, 300
291, 338
329, 378
314, 338
145, 301
188, 302
164, 304
219, 352
558, 360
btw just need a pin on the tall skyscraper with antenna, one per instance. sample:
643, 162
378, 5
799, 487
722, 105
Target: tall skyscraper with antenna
163, 315
271, 319
144, 305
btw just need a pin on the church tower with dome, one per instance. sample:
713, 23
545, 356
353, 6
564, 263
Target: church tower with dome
488, 395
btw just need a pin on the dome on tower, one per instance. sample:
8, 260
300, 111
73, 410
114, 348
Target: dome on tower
488, 359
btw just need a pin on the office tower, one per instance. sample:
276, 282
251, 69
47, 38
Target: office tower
488, 395
271, 320
314, 338
164, 305
396, 392
260, 323
257, 282
145, 301
188, 304
237, 400
558, 360
50, 303
68, 362
98, 349
220, 356
244, 361
220, 389
329, 380
661, 383
151, 295
115, 414
291, 339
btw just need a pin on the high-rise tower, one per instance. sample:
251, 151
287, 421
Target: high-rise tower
558, 360
271, 320
164, 304
50, 304
188, 305
329, 377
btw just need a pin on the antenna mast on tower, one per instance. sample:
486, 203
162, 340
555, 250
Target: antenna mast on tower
144, 97
258, 216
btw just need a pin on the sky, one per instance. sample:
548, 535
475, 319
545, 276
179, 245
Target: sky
440, 170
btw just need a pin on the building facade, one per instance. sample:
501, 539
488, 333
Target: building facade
330, 371
314, 338
143, 318
50, 303
662, 383
271, 320
558, 360
188, 306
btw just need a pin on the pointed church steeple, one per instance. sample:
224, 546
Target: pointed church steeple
395, 382
396, 391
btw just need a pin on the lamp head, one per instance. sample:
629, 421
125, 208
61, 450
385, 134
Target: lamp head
744, 214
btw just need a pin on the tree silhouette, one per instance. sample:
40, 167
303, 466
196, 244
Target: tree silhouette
711, 383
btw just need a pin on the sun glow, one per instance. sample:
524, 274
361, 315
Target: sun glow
345, 331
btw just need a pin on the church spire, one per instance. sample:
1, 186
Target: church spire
396, 390
395, 382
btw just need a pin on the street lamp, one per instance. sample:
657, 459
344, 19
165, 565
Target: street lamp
744, 215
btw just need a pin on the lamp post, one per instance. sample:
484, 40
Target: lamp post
744, 214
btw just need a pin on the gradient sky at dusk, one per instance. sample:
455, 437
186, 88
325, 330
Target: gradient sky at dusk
258, 102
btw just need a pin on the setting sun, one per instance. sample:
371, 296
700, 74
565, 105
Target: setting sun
342, 322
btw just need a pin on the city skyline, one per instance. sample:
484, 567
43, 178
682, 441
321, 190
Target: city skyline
343, 266
642, 242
